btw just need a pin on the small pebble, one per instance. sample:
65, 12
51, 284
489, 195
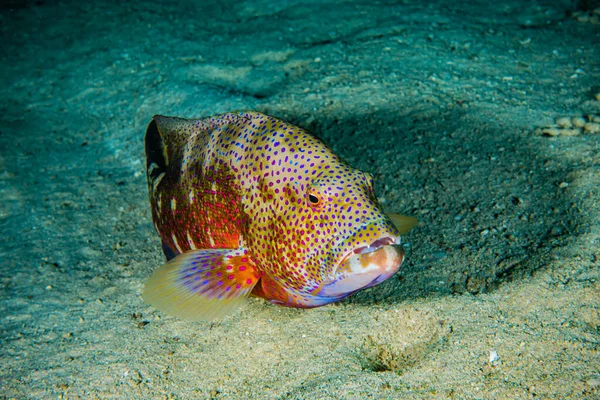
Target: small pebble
579, 122
564, 122
583, 18
591, 127
561, 132
570, 132
593, 382
493, 356
551, 131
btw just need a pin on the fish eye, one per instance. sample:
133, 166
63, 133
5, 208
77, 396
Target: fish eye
313, 199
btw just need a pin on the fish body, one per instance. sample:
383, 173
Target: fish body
247, 204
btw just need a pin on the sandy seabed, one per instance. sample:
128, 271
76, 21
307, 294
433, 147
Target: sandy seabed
476, 118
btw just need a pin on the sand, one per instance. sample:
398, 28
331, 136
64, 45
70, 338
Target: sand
447, 104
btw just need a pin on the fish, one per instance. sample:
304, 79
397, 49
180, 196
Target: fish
247, 204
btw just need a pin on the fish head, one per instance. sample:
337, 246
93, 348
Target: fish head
363, 244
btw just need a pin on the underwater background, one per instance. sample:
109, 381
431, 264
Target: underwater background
480, 119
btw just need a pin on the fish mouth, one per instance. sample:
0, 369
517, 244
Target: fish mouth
365, 266
374, 246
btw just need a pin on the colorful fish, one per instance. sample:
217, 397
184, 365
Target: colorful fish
247, 204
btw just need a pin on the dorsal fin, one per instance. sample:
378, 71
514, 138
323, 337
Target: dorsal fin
157, 158
165, 137
164, 134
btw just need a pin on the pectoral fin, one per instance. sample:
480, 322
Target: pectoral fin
402, 222
202, 284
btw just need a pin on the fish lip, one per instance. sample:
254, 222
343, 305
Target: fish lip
376, 245
384, 240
